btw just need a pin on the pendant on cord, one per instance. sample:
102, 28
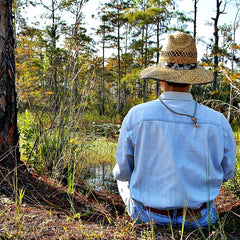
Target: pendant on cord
196, 125
195, 122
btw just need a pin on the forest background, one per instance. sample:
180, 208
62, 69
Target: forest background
76, 83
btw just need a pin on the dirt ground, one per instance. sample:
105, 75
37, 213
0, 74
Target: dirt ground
47, 211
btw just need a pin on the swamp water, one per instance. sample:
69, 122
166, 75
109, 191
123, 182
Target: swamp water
101, 178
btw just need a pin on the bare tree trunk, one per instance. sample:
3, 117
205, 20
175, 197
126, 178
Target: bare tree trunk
145, 63
216, 40
102, 111
235, 25
9, 135
54, 45
125, 70
216, 45
195, 20
158, 53
195, 36
119, 67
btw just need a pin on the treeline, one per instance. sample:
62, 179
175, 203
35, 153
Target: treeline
60, 64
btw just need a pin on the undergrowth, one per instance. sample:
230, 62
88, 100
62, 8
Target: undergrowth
66, 149
234, 183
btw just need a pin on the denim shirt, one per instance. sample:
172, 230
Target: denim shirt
168, 162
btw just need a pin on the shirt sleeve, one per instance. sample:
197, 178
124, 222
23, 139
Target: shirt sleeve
124, 154
229, 158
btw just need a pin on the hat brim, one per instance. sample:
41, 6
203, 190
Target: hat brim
195, 76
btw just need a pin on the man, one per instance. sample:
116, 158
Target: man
173, 153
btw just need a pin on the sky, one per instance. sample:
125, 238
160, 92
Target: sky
206, 10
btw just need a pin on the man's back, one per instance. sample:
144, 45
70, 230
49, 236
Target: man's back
172, 153
174, 163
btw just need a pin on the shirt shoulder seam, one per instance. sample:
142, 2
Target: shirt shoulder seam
156, 120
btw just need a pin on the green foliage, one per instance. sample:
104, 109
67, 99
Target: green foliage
61, 86
48, 72
234, 183
55, 146
40, 147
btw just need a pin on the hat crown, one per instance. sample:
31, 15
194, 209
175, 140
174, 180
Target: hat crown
180, 48
180, 40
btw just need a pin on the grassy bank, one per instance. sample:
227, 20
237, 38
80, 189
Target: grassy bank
61, 152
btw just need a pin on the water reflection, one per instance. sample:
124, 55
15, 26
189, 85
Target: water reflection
101, 178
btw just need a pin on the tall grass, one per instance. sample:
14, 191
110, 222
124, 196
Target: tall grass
63, 148
234, 183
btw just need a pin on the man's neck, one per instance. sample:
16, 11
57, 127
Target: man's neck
172, 88
178, 90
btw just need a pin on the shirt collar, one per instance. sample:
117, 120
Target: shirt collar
177, 96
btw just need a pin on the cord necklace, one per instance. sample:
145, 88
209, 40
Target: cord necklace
182, 114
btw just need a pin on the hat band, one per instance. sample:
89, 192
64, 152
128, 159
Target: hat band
177, 66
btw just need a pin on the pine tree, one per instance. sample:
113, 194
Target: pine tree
9, 135
116, 19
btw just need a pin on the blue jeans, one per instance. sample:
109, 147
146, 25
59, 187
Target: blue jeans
139, 213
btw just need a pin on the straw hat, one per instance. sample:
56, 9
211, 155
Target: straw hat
178, 63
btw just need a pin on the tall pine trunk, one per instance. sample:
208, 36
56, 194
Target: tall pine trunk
9, 135
54, 40
119, 66
216, 43
195, 20
102, 111
158, 53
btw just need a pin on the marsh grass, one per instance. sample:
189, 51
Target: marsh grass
64, 149
19, 212
234, 183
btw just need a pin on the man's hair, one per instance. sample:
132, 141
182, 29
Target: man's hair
177, 84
